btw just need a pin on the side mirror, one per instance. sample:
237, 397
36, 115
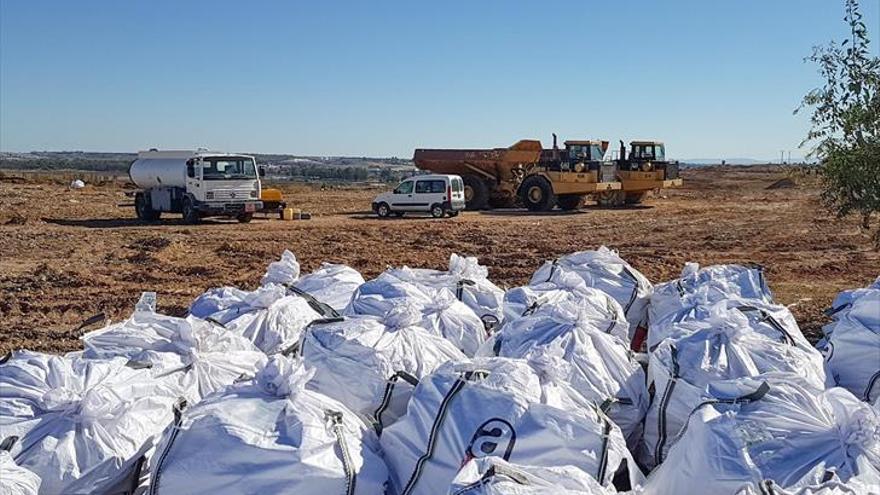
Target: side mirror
261, 171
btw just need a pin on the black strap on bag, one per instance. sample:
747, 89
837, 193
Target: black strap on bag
664, 405
7, 443
296, 348
175, 429
323, 309
773, 322
335, 420
92, 320
870, 388
493, 472
388, 394
460, 285
755, 395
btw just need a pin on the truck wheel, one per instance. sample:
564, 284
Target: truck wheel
190, 214
537, 194
476, 192
636, 198
143, 210
570, 202
437, 211
383, 210
245, 217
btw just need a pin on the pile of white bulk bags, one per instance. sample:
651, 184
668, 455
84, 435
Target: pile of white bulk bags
83, 425
372, 365
441, 313
603, 269
496, 407
269, 435
495, 476
14, 479
715, 349
467, 279
851, 344
564, 347
770, 434
282, 272
192, 356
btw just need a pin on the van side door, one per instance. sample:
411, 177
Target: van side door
402, 197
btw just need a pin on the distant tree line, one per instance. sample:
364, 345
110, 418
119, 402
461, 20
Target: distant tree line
349, 174
114, 165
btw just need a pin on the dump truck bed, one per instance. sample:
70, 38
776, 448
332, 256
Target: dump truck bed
496, 164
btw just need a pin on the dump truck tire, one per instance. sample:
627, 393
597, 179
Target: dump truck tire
636, 198
570, 202
537, 194
476, 193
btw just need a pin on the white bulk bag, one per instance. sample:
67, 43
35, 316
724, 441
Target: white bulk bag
332, 284
771, 320
467, 279
565, 287
15, 479
282, 272
495, 406
562, 345
852, 346
83, 425
219, 300
193, 356
268, 435
372, 365
495, 476
714, 350
705, 286
441, 313
845, 298
272, 317
603, 269
764, 436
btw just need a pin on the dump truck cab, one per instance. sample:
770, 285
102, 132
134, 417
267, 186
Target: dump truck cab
643, 170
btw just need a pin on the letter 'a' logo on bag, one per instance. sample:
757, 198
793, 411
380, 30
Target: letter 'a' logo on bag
494, 437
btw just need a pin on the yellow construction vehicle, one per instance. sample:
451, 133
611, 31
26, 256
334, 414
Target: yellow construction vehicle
645, 169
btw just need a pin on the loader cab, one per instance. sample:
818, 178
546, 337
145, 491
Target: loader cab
647, 151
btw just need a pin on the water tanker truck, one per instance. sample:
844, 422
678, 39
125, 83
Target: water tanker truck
543, 178
196, 184
540, 179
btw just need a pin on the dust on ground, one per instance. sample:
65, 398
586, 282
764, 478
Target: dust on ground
66, 255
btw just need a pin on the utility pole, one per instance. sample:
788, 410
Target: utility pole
781, 157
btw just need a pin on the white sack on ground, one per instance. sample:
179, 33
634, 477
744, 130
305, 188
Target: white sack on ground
495, 406
82, 425
272, 317
269, 435
224, 300
441, 313
565, 287
282, 272
771, 320
763, 435
705, 286
714, 350
561, 344
15, 479
852, 344
495, 476
193, 356
331, 284
467, 279
372, 365
603, 269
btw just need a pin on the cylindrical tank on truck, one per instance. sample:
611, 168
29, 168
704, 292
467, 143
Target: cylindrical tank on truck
196, 184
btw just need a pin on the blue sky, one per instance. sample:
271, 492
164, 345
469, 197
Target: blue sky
712, 79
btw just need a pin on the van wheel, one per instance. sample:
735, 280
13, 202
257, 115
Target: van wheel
190, 214
383, 210
245, 217
437, 211
537, 194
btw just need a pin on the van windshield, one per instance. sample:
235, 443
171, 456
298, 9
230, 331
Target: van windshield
228, 167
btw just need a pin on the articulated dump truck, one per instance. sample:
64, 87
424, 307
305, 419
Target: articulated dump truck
541, 179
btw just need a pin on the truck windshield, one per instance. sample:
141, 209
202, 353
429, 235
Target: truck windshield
225, 168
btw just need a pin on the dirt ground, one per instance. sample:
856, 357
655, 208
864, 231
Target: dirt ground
67, 254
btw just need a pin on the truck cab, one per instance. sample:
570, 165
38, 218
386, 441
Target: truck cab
644, 169
196, 184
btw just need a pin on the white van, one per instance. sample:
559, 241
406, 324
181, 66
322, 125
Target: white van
438, 195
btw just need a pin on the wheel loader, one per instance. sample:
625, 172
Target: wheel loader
540, 179
643, 170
